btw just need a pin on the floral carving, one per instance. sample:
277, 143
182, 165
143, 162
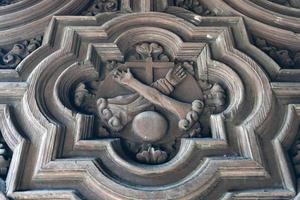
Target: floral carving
195, 6
100, 6
10, 59
289, 3
5, 156
8, 2
295, 154
152, 156
214, 98
4, 160
83, 97
284, 57
150, 50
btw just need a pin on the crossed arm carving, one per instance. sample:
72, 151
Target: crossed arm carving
154, 95
118, 111
117, 115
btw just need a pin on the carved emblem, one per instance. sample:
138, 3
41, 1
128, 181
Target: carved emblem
144, 101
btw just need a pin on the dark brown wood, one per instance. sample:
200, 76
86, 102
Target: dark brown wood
149, 99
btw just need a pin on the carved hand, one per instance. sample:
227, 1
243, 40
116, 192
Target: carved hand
123, 77
176, 75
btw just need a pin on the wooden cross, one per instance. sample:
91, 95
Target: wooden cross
149, 66
144, 5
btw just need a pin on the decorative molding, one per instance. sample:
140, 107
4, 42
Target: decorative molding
263, 19
33, 17
125, 103
76, 75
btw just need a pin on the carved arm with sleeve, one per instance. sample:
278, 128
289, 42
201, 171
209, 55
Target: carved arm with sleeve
187, 114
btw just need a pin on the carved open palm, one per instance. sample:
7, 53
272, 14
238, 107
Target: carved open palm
176, 75
123, 77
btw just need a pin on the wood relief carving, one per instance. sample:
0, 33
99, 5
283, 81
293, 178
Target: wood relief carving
8, 2
195, 6
263, 19
26, 19
158, 99
12, 57
5, 157
148, 113
287, 59
99, 6
290, 3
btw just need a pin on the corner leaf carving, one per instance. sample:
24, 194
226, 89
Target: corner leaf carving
288, 3
8, 2
5, 157
9, 59
284, 57
195, 6
100, 6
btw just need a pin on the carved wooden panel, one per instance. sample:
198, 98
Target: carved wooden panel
149, 99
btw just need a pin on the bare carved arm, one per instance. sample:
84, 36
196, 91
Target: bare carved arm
152, 94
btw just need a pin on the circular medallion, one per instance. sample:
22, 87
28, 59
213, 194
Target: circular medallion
150, 126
